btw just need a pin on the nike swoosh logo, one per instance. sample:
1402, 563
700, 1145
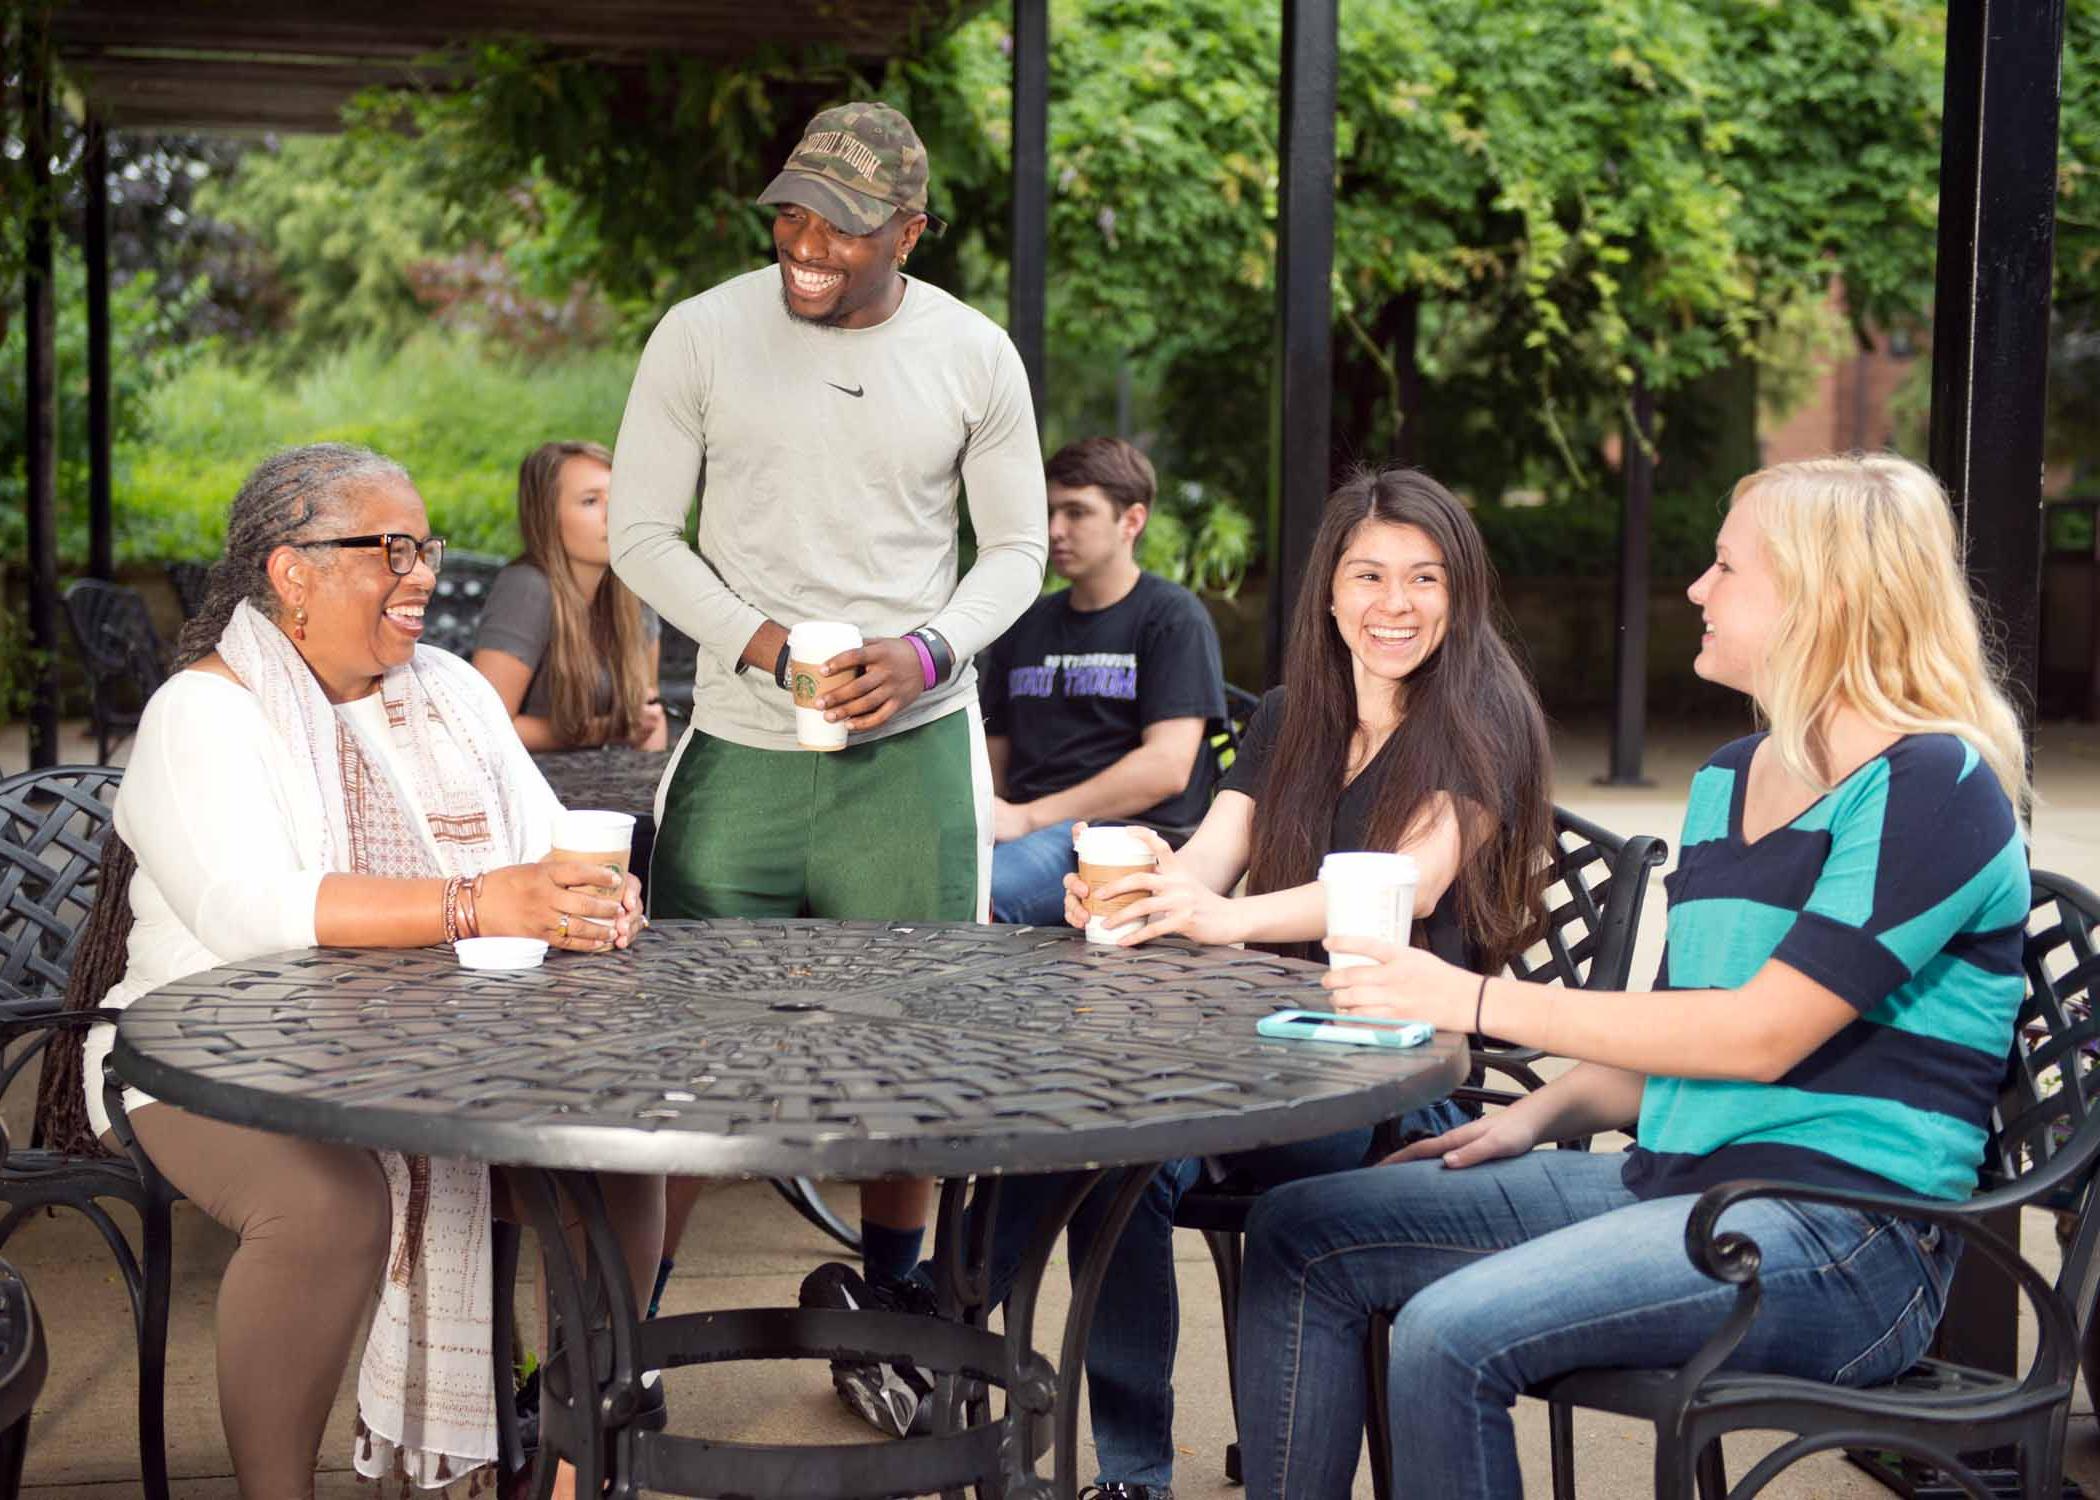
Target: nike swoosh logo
851, 390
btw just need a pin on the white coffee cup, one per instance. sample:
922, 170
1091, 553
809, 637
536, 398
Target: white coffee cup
1107, 854
595, 836
1368, 896
810, 645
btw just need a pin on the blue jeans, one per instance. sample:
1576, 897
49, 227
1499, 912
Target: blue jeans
1028, 876
1509, 1273
1130, 1352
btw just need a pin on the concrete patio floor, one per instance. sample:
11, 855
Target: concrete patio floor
746, 1248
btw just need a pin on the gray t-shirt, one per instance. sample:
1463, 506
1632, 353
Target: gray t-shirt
518, 620
829, 464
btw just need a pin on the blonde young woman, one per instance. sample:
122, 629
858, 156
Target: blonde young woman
570, 650
1838, 991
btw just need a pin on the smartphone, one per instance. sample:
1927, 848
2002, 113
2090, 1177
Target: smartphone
1359, 1031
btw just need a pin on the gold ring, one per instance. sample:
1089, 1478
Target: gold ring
563, 925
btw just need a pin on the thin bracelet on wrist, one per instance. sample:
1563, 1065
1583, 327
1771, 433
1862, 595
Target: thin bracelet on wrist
451, 909
470, 908
928, 673
1479, 1000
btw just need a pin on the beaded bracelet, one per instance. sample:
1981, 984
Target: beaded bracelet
452, 909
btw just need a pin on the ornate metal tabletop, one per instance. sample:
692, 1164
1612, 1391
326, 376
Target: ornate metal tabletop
806, 1048
614, 776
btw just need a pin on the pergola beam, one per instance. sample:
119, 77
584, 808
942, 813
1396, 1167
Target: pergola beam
1990, 316
1990, 371
1028, 262
1302, 406
40, 437
94, 174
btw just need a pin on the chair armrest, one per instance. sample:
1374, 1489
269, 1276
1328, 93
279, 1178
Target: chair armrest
16, 1027
1734, 1257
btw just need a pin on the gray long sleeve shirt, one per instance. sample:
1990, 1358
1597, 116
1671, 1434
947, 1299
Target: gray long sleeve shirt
828, 463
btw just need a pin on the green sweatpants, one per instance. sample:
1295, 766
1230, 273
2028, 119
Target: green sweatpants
884, 830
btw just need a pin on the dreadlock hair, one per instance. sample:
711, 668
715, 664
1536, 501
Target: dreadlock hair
279, 505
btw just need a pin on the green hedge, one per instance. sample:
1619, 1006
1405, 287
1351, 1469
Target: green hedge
459, 418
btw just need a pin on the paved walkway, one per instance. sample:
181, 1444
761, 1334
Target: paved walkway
749, 1249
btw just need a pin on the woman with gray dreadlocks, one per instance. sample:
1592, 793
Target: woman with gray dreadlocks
307, 776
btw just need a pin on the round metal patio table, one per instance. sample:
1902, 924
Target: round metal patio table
614, 776
840, 1050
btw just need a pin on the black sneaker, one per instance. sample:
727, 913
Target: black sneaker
892, 1398
1126, 1492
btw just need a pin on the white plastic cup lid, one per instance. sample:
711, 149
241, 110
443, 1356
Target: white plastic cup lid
500, 952
1112, 845
817, 641
1370, 867
593, 831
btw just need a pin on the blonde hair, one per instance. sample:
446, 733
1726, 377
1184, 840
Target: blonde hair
604, 630
1876, 614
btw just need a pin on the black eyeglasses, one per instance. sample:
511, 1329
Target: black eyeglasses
402, 550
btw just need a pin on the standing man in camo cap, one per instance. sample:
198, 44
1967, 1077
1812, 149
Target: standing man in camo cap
832, 413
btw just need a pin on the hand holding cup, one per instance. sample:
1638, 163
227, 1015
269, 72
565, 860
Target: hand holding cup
570, 903
880, 680
819, 670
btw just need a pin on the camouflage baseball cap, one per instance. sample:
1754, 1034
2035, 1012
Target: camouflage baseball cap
857, 164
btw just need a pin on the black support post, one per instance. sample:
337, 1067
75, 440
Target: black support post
1302, 404
39, 336
1990, 318
94, 174
1629, 687
1990, 366
1028, 270
1990, 361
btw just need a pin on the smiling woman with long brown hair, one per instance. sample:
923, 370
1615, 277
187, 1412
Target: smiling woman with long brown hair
1405, 724
570, 650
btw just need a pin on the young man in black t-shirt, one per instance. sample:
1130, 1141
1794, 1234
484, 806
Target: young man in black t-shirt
1098, 701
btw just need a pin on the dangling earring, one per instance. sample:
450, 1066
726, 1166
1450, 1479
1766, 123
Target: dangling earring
299, 623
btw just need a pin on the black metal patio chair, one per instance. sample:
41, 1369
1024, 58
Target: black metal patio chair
453, 615
53, 825
2044, 1143
677, 656
2042, 1152
191, 581
121, 653
1598, 887
23, 1365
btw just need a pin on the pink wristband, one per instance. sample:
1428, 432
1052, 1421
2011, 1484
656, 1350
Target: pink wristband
925, 662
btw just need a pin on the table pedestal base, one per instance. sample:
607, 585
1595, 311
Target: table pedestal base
592, 1382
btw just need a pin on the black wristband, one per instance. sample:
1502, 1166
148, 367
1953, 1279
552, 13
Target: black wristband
780, 667
1479, 999
938, 648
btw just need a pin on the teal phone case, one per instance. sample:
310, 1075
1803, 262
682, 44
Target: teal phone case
1353, 1031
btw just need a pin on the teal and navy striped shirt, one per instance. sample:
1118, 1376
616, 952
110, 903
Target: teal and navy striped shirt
1904, 891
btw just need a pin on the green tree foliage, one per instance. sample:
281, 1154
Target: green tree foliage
345, 220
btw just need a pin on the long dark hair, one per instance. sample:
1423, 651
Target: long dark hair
289, 497
588, 635
1471, 726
